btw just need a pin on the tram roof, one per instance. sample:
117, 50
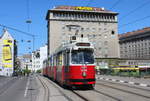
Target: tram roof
72, 44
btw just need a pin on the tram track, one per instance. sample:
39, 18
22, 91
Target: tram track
123, 90
105, 94
99, 92
78, 94
70, 90
55, 85
46, 90
84, 98
123, 84
83, 95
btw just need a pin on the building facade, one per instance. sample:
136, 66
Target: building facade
43, 55
38, 57
25, 62
35, 60
98, 24
135, 47
136, 44
8, 53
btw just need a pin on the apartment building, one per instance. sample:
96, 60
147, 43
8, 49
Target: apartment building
98, 24
135, 46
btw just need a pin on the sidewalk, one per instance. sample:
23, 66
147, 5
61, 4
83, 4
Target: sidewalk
131, 80
52, 92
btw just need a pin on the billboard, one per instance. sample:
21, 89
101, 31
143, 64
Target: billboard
7, 55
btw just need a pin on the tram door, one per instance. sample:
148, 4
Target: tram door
66, 65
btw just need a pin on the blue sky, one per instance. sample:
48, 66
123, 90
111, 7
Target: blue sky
13, 13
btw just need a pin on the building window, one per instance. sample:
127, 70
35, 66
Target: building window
82, 29
106, 43
69, 28
87, 29
105, 36
112, 32
113, 17
94, 35
63, 28
106, 55
93, 29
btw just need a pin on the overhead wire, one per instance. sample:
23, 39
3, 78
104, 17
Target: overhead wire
52, 2
28, 21
89, 3
17, 30
136, 9
137, 20
123, 25
115, 4
28, 10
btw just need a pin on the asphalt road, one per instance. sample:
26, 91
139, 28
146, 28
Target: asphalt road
18, 89
39, 88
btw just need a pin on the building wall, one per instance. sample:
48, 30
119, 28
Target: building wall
137, 47
43, 55
100, 28
35, 61
25, 62
7, 54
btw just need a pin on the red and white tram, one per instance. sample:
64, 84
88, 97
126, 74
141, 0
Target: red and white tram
72, 64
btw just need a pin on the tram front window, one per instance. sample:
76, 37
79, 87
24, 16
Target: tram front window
82, 57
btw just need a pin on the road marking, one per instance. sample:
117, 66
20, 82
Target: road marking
106, 79
26, 90
121, 81
145, 85
131, 82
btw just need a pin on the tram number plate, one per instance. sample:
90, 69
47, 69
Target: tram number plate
83, 69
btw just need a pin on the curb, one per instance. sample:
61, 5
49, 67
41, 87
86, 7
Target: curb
121, 81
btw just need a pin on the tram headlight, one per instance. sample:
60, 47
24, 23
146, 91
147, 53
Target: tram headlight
84, 74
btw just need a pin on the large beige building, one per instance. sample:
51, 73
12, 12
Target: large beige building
98, 24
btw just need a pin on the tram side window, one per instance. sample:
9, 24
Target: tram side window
57, 61
51, 62
54, 61
68, 58
64, 59
60, 59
